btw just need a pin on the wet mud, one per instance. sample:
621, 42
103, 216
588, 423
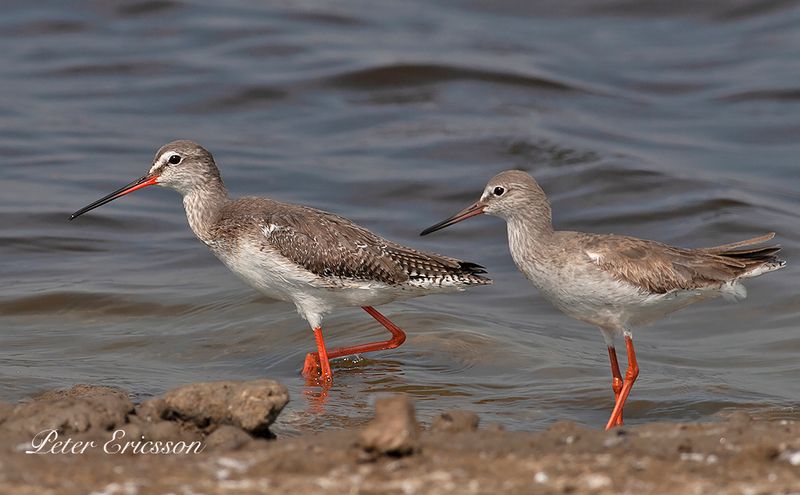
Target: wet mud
220, 442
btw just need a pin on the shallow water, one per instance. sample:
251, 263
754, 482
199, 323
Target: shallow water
675, 124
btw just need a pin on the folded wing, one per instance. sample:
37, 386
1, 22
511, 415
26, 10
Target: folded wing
659, 268
331, 246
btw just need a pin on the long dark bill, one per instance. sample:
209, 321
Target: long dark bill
147, 180
470, 211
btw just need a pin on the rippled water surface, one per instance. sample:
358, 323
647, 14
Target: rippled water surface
679, 124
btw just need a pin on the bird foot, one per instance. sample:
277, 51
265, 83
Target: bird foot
311, 368
312, 371
617, 422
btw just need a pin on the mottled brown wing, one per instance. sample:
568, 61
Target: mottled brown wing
429, 266
660, 268
334, 247
330, 246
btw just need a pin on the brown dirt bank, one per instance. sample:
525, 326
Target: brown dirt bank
392, 455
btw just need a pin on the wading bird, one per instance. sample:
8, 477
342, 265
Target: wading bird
612, 281
317, 260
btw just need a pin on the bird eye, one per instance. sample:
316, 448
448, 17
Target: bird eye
498, 191
174, 159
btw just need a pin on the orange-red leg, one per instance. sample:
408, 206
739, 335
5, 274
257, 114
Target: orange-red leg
630, 377
398, 337
616, 381
318, 367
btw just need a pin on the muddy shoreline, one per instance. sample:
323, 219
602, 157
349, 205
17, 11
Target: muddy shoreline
393, 454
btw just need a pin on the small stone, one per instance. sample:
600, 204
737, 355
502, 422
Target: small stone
596, 481
75, 410
395, 430
251, 405
152, 410
792, 457
163, 430
132, 432
456, 421
227, 437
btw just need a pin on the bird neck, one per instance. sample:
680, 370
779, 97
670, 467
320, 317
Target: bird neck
535, 219
203, 204
530, 232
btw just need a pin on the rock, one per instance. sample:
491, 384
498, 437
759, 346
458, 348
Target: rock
131, 432
251, 405
168, 430
152, 410
394, 430
227, 437
75, 410
456, 421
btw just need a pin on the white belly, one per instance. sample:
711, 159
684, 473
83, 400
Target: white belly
278, 278
585, 292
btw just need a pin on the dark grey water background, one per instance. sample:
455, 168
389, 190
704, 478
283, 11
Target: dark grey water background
672, 121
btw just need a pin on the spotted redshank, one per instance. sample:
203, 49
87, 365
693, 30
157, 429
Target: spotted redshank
317, 260
611, 281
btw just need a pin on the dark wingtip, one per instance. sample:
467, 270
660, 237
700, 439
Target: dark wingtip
472, 268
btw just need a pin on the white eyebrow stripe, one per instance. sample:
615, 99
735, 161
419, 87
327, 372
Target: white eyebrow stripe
162, 160
165, 156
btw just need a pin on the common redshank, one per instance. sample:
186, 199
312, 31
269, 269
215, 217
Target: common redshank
317, 260
611, 281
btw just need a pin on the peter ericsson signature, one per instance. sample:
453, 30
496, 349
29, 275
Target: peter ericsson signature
47, 442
